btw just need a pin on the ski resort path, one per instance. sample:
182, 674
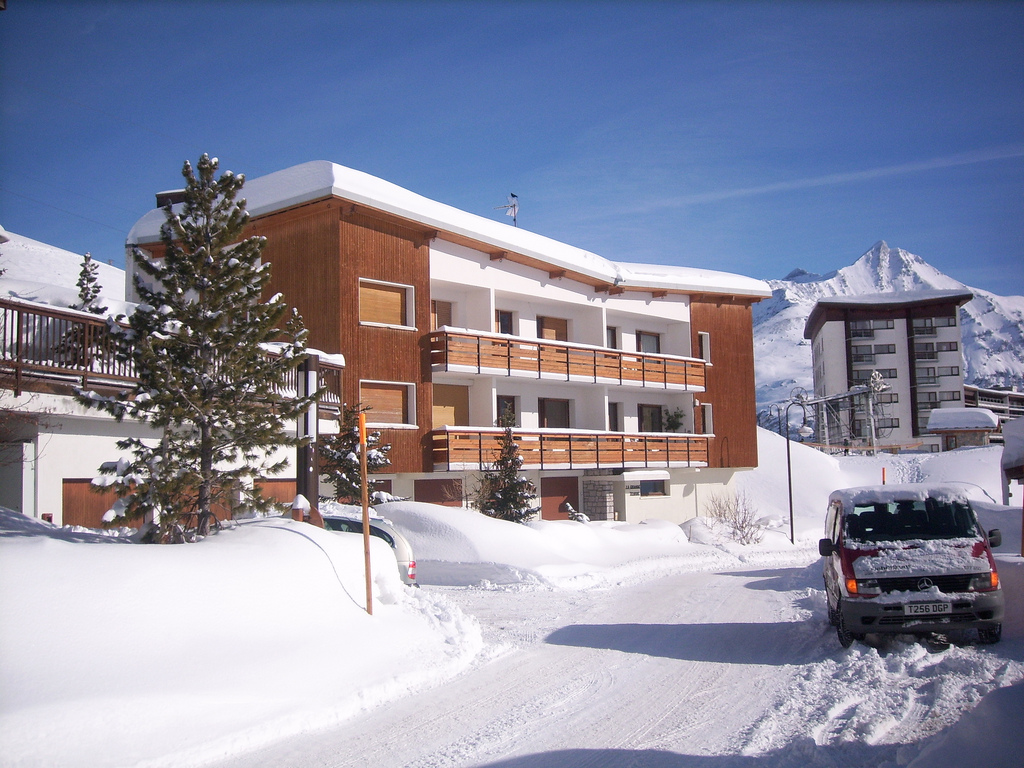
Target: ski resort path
715, 670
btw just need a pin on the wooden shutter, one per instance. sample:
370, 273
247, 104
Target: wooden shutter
440, 314
553, 328
388, 403
383, 304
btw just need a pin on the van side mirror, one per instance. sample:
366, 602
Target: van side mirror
825, 547
995, 537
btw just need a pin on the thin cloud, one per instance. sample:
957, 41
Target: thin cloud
834, 179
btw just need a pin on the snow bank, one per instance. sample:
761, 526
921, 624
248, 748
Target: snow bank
196, 651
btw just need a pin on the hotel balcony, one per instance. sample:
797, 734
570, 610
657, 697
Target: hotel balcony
475, 352
470, 448
45, 349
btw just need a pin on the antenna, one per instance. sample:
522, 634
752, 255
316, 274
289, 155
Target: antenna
512, 209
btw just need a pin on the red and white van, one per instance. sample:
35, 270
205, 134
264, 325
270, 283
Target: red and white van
909, 559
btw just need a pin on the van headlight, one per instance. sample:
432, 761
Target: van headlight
984, 582
863, 587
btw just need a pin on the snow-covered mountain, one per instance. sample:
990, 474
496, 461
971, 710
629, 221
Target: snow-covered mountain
993, 326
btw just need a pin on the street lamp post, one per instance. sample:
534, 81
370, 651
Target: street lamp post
803, 431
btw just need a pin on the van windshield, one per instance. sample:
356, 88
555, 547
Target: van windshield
906, 520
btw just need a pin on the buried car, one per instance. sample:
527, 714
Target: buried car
382, 529
909, 559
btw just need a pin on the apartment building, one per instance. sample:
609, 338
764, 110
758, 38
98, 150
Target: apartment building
911, 340
631, 385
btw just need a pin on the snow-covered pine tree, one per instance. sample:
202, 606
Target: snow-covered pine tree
339, 456
503, 492
89, 288
198, 342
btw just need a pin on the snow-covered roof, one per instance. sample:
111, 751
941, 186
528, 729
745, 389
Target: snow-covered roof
897, 298
867, 494
37, 271
944, 419
319, 179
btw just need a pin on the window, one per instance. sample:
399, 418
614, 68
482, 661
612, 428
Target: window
947, 346
554, 414
389, 402
949, 370
949, 396
652, 487
924, 351
649, 343
861, 353
503, 322
885, 349
614, 417
552, 328
440, 314
925, 375
704, 346
649, 418
507, 404
861, 329
707, 418
451, 406
887, 397
385, 303
611, 337
882, 325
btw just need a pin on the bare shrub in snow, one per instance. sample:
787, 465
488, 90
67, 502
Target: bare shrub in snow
737, 514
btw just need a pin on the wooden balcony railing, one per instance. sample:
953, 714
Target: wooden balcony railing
457, 350
460, 448
47, 348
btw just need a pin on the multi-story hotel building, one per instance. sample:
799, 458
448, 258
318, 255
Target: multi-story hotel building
911, 339
631, 385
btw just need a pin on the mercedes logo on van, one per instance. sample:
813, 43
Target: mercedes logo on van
924, 584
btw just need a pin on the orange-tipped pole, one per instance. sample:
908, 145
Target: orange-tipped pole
366, 514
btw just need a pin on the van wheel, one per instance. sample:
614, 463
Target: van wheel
846, 637
990, 635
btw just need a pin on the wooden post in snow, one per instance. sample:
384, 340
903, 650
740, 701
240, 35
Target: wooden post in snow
366, 513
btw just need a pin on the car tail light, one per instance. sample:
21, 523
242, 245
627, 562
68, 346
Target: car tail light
412, 570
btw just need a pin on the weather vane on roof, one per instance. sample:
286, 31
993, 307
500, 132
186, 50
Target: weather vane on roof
512, 209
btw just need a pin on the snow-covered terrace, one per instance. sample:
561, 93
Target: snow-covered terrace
320, 179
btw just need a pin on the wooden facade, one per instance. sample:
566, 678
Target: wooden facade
730, 378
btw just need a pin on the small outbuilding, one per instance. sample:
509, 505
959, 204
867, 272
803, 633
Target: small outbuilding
960, 427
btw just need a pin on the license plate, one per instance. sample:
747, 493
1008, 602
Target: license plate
927, 609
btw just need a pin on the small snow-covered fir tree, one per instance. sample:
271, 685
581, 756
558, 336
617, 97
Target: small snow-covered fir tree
198, 345
503, 492
339, 456
89, 288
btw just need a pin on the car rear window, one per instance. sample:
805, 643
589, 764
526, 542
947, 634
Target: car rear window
907, 520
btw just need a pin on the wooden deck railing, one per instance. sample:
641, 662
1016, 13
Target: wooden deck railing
458, 448
48, 346
452, 350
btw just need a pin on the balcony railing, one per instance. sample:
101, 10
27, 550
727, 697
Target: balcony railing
43, 348
472, 351
461, 448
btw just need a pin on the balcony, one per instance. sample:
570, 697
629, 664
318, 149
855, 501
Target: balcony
475, 352
45, 349
470, 448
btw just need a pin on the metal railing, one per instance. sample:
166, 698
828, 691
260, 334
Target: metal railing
452, 350
456, 448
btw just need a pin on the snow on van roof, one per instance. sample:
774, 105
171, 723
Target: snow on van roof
884, 494
320, 178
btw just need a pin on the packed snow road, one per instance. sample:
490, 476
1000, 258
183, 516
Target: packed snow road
689, 669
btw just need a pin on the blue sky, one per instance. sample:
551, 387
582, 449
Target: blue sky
742, 136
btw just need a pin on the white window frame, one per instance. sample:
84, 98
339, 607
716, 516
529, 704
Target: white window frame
410, 304
411, 415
